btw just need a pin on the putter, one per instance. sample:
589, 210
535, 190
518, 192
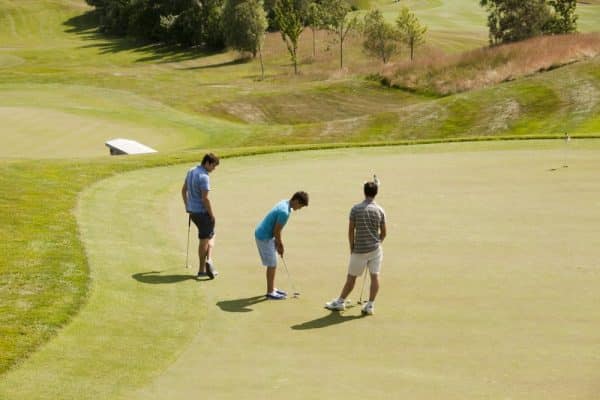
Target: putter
187, 249
296, 293
566, 150
360, 301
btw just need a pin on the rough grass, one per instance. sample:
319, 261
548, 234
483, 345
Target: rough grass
444, 75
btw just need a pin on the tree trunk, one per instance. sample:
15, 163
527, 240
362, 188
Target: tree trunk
262, 66
341, 49
314, 45
295, 59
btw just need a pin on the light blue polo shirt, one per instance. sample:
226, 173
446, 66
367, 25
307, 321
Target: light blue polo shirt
278, 215
197, 181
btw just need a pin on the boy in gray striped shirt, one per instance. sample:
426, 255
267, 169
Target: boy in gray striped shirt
366, 232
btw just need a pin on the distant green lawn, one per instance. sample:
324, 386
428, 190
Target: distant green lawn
79, 89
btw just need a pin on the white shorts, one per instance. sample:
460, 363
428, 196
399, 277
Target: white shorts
360, 261
267, 252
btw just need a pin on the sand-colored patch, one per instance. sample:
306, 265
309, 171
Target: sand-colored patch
8, 61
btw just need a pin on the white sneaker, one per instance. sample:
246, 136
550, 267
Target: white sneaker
276, 296
335, 305
368, 309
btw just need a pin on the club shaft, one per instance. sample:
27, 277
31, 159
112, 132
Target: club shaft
363, 286
289, 277
187, 249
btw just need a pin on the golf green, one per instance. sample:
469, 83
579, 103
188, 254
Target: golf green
489, 286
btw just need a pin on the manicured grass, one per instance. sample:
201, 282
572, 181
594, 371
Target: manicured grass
467, 277
50, 121
65, 89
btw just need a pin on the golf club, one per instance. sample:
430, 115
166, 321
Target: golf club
295, 292
187, 249
566, 150
360, 300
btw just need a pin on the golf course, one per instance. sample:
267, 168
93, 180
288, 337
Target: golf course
490, 281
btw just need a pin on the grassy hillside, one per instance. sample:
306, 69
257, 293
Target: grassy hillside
79, 89
65, 89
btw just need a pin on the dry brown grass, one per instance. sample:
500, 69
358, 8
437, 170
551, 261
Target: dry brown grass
441, 74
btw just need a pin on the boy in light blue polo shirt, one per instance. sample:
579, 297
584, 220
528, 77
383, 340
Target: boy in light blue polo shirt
268, 238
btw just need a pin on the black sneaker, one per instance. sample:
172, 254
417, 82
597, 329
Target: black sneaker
209, 270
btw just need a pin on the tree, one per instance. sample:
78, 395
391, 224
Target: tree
564, 19
245, 24
210, 22
314, 20
290, 16
337, 19
380, 37
413, 33
182, 22
514, 20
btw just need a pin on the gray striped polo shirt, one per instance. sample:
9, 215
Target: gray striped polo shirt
368, 217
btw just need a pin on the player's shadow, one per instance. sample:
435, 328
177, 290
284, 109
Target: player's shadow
240, 305
155, 277
332, 318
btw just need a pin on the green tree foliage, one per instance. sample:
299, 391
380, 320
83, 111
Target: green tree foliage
337, 19
182, 22
514, 20
411, 30
290, 17
564, 19
245, 24
380, 39
210, 23
315, 19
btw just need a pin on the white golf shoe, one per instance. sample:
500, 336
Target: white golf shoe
335, 305
368, 309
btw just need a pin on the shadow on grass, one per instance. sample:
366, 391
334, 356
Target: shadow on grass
154, 278
223, 64
332, 318
87, 27
240, 305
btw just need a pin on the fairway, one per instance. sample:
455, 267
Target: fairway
490, 282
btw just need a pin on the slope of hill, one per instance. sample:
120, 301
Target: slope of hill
80, 88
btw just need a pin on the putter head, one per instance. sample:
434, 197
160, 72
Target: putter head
296, 295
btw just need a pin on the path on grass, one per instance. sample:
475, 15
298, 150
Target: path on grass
490, 282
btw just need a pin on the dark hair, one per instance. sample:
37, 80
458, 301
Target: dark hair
210, 158
370, 189
301, 197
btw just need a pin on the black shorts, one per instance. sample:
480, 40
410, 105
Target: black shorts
205, 225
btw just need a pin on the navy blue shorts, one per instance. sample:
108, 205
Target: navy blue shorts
205, 225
